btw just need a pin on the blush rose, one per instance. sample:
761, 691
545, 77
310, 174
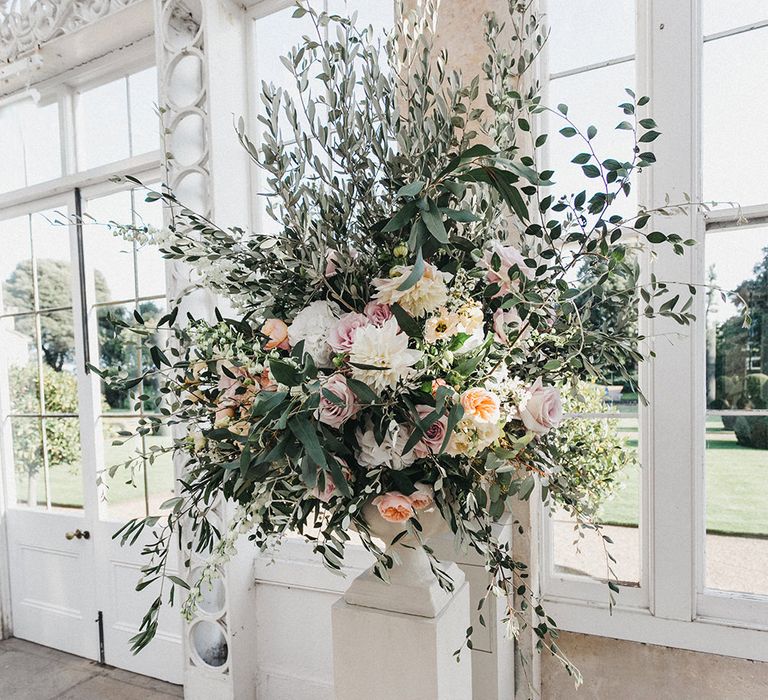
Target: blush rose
543, 410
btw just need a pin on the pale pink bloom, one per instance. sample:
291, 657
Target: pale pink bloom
502, 319
508, 256
394, 507
333, 259
233, 392
543, 410
342, 335
423, 497
434, 436
377, 313
330, 485
334, 414
266, 382
277, 332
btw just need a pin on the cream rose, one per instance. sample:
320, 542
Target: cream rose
428, 294
543, 410
394, 507
423, 497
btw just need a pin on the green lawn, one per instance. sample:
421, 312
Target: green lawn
736, 486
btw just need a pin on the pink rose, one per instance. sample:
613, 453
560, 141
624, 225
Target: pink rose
377, 313
543, 410
423, 497
277, 332
342, 335
394, 507
332, 260
434, 435
502, 319
509, 256
332, 413
233, 393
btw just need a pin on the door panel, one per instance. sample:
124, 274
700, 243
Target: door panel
52, 581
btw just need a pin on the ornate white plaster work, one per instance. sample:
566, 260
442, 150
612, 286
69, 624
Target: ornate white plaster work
184, 102
25, 25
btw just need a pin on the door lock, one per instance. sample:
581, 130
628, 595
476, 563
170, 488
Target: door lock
78, 534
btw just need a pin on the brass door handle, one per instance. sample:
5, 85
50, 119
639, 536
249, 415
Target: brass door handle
78, 534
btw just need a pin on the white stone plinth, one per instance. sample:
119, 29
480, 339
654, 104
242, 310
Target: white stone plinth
381, 654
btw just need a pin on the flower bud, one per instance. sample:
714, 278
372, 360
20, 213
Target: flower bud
400, 250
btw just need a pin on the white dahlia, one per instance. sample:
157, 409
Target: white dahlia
427, 295
313, 324
385, 347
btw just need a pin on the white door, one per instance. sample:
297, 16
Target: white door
72, 585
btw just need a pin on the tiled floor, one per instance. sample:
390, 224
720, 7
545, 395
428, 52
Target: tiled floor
32, 672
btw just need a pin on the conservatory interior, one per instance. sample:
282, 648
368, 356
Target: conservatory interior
587, 173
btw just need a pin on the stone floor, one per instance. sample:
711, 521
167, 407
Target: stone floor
32, 672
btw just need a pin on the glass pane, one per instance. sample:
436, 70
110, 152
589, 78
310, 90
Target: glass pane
737, 260
592, 99
102, 124
61, 447
118, 349
64, 462
57, 342
610, 27
152, 312
737, 385
16, 265
126, 490
150, 263
718, 15
109, 257
50, 243
19, 348
145, 122
734, 141
27, 436
380, 15
608, 458
30, 144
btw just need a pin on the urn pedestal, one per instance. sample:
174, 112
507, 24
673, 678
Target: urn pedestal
397, 639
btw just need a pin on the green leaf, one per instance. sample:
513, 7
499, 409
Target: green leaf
300, 426
362, 391
434, 223
656, 237
454, 416
411, 190
417, 272
402, 217
284, 373
568, 131
649, 136
463, 216
406, 322
591, 132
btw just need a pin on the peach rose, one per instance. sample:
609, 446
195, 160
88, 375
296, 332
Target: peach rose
277, 332
423, 497
481, 405
394, 507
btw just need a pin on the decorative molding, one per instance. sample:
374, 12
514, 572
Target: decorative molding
25, 25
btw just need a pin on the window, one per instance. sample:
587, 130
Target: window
60, 282
697, 497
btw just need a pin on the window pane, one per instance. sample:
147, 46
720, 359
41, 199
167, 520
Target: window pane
19, 349
55, 441
57, 342
109, 257
610, 27
16, 265
50, 243
608, 459
150, 263
737, 385
30, 144
718, 16
592, 99
102, 125
64, 462
734, 140
145, 122
118, 349
131, 492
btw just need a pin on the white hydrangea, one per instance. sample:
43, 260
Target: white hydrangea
313, 325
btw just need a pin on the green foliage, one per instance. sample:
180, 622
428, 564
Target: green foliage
592, 453
61, 435
752, 431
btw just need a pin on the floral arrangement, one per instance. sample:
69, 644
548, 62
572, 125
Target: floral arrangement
407, 338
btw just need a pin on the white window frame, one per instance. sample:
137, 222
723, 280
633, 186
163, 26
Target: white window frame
672, 607
65, 190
